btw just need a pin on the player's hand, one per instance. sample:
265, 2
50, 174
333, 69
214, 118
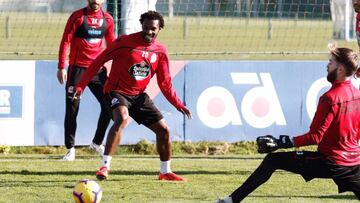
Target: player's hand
269, 143
77, 94
61, 76
185, 111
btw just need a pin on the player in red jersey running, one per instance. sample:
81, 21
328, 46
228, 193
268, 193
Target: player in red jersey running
136, 59
84, 32
335, 128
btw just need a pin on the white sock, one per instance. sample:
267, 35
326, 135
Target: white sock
165, 167
72, 150
228, 200
107, 161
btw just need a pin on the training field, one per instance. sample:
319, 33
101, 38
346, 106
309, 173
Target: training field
37, 36
43, 178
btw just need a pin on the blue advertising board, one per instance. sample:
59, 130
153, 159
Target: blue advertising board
240, 100
230, 101
50, 110
11, 97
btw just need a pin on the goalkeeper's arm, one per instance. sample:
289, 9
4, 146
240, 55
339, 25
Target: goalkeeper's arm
269, 143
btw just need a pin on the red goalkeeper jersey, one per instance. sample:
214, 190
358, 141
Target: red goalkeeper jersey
335, 126
84, 33
134, 63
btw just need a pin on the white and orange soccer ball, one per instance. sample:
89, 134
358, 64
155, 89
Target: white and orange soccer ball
87, 191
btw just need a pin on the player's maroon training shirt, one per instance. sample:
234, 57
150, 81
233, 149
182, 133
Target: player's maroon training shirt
335, 126
85, 38
134, 63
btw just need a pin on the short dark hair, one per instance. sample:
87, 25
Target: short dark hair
347, 57
153, 15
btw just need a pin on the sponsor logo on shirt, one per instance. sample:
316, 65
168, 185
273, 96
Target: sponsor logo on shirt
140, 71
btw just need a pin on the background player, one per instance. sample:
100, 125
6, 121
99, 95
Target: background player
84, 33
356, 5
335, 129
137, 58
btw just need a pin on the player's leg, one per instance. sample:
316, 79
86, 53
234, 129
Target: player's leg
357, 194
120, 118
96, 87
347, 178
163, 145
145, 112
288, 161
71, 111
259, 176
120, 115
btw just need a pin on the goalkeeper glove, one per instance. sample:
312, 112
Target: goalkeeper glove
269, 143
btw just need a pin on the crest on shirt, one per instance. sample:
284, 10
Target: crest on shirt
153, 58
140, 71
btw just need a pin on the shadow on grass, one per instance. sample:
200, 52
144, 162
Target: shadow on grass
250, 157
121, 172
338, 196
194, 157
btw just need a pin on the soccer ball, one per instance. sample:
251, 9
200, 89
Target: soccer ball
87, 191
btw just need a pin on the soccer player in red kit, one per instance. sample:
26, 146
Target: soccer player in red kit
136, 59
84, 32
335, 128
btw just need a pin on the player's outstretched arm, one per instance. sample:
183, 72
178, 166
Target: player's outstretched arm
269, 143
185, 111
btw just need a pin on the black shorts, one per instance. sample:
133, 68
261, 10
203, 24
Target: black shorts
74, 74
312, 165
141, 107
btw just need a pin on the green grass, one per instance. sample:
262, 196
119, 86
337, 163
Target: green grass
44, 178
37, 36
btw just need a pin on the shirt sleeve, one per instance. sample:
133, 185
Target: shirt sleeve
108, 54
320, 123
71, 25
109, 34
165, 82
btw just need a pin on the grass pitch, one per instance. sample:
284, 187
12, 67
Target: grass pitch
44, 178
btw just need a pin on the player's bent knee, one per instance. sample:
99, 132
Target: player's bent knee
163, 133
119, 123
166, 131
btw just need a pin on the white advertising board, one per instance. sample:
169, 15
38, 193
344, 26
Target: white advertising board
17, 92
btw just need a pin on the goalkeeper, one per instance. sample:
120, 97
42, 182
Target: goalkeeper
335, 128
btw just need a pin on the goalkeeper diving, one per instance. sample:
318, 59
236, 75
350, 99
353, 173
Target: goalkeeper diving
334, 128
